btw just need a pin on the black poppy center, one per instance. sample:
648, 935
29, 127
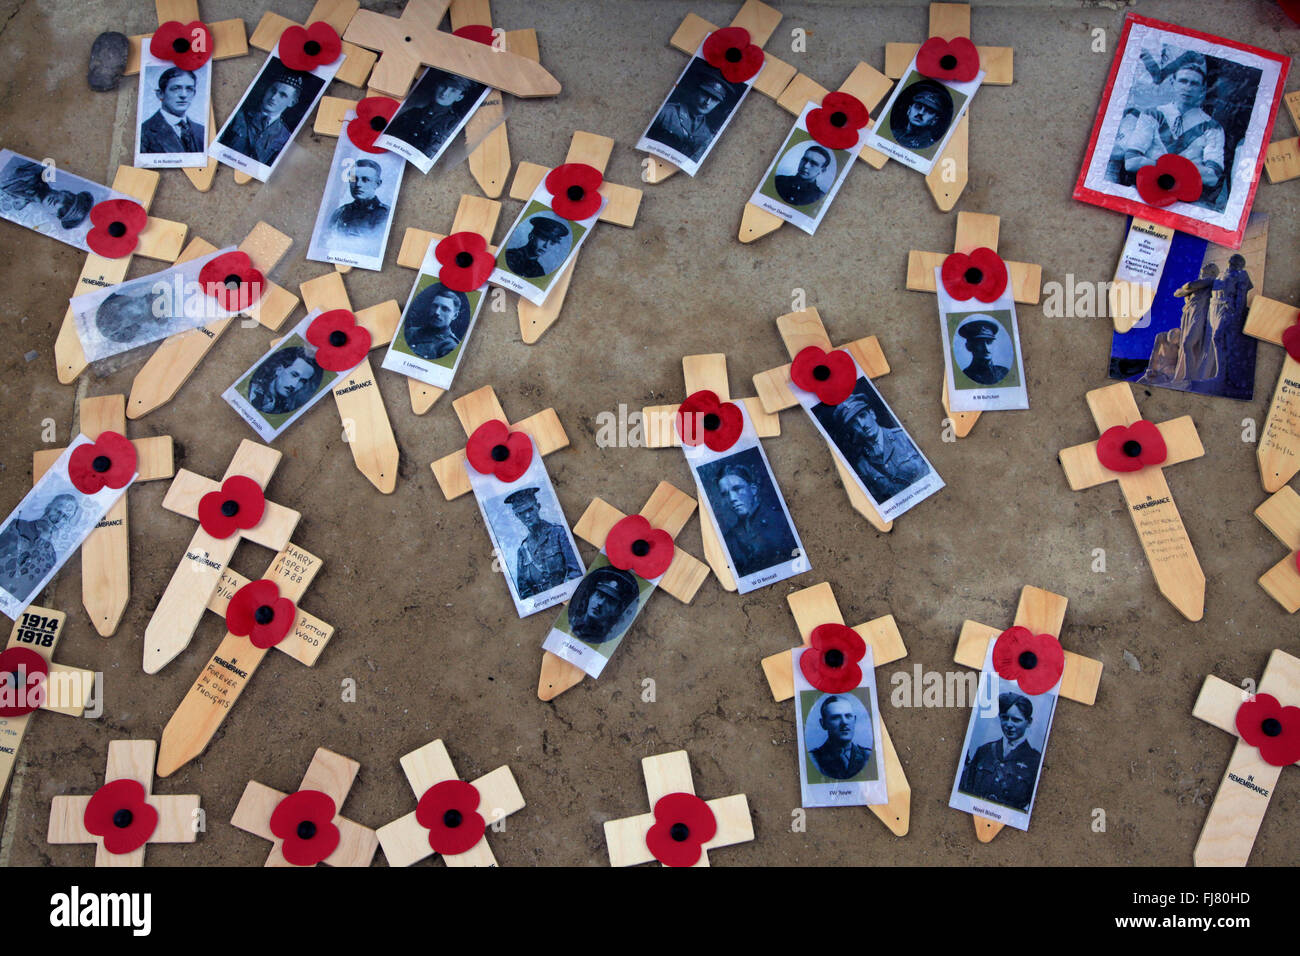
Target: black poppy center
311, 48
679, 832
712, 422
1271, 727
306, 830
181, 45
1165, 181
500, 452
839, 118
452, 819
1132, 448
834, 657
821, 372
973, 275
230, 507
733, 54
117, 229
264, 615
948, 61
640, 547
232, 281
575, 193
464, 259
122, 818
101, 463
378, 123
338, 338
1027, 660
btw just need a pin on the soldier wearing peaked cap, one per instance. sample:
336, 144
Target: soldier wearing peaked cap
544, 558
980, 332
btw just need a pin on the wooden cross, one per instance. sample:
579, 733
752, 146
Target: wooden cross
1242, 798
67, 689
761, 22
1281, 515
665, 774
951, 170
160, 239
1150, 503
208, 702
594, 151
974, 231
1043, 613
406, 842
811, 608
667, 509
1278, 451
1282, 158
176, 358
798, 331
659, 421
201, 567
331, 774
127, 760
106, 552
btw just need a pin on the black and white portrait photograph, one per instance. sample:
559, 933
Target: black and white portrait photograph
430, 340
918, 118
804, 177
435, 110
172, 114
282, 385
538, 247
983, 367
600, 612
356, 208
693, 116
48, 200
841, 761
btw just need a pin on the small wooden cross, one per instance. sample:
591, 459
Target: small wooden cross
1248, 782
201, 567
329, 773
1281, 515
667, 509
1150, 503
1043, 613
811, 608
406, 842
106, 552
798, 331
209, 701
1282, 158
974, 231
127, 760
1278, 451
665, 774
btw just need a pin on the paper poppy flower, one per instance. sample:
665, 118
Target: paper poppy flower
830, 376
835, 124
1275, 730
449, 811
108, 461
23, 672
729, 51
306, 48
633, 545
703, 420
465, 260
188, 45
982, 274
231, 280
120, 813
257, 612
575, 190
683, 824
237, 506
340, 343
478, 32
494, 449
373, 114
117, 224
1131, 448
1171, 178
1034, 661
305, 822
1291, 340
955, 60
830, 662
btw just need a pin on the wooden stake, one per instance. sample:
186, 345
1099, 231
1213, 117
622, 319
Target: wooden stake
1281, 515
1278, 451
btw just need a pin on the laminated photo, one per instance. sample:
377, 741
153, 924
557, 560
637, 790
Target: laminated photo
436, 109
539, 247
604, 605
981, 352
805, 176
42, 197
841, 756
356, 209
919, 117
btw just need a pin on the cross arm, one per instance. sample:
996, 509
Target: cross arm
293, 570
253, 813
1079, 680
773, 386
1217, 703
265, 246
865, 83
997, 62
153, 459
1269, 318
273, 531
1025, 278
229, 39
1083, 470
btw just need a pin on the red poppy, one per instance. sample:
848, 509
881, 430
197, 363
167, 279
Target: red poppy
238, 505
683, 824
305, 822
1034, 661
108, 461
373, 114
830, 662
1291, 340
120, 813
465, 260
1274, 729
632, 545
729, 51
830, 376
494, 449
478, 32
836, 122
23, 673
1170, 179
117, 224
575, 190
449, 811
955, 60
340, 343
981, 274
1132, 448
259, 613
231, 279
703, 420
188, 45
306, 48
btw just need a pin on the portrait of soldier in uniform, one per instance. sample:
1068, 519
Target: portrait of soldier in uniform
170, 130
603, 605
433, 110
978, 334
27, 199
29, 549
1005, 770
839, 757
544, 559
270, 113
364, 216
543, 251
878, 451
436, 321
285, 381
749, 514
694, 113
921, 115
801, 188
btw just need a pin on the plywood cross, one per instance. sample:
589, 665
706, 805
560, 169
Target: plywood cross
1278, 451
1150, 503
811, 608
406, 842
1242, 798
1282, 158
329, 773
106, 552
1281, 515
974, 231
127, 760
671, 773
199, 573
209, 701
798, 331
1043, 613
667, 509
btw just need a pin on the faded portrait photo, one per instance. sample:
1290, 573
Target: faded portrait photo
285, 381
49, 201
30, 547
604, 605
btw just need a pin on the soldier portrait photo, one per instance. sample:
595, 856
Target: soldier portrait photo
838, 737
1004, 769
747, 507
983, 351
173, 111
875, 447
538, 247
694, 113
285, 381
47, 200
272, 109
31, 547
813, 173
604, 605
921, 115
545, 558
356, 210
431, 114
436, 321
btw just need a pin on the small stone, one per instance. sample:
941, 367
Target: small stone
107, 61
30, 356
1132, 661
